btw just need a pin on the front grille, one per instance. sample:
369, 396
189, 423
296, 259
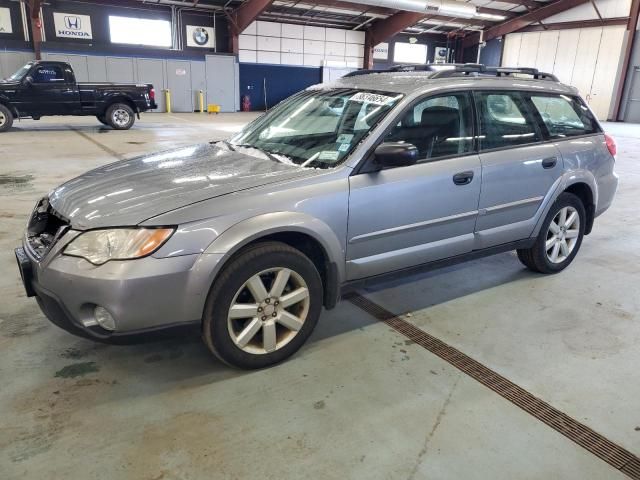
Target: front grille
45, 227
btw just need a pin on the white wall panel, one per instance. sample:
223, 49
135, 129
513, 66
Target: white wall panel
511, 50
528, 49
313, 60
335, 35
315, 47
268, 57
566, 54
547, 49
268, 44
353, 50
355, 37
269, 29
337, 61
314, 33
247, 42
247, 56
292, 31
292, 45
605, 76
586, 58
335, 49
354, 62
292, 59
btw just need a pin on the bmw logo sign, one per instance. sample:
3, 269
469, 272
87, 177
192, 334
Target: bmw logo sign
200, 36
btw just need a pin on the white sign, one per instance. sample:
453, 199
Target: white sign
203, 37
5, 20
381, 51
441, 55
372, 98
70, 25
181, 72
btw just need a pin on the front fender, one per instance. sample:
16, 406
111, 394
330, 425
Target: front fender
254, 228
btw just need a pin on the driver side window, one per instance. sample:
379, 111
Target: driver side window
438, 126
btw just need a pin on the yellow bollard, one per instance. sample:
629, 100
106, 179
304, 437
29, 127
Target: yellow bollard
201, 94
167, 97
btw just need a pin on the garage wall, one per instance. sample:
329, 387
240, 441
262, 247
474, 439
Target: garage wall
183, 77
301, 45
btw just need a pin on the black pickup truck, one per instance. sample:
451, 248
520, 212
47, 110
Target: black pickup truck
43, 88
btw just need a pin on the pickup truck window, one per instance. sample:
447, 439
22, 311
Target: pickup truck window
48, 74
19, 75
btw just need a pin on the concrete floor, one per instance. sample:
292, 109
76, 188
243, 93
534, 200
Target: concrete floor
357, 401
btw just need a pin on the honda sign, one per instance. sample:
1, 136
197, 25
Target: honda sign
5, 20
70, 25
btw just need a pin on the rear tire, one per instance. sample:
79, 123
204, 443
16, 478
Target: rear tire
263, 306
120, 116
560, 236
6, 118
102, 119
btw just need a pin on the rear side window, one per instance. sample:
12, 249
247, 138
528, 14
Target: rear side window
564, 116
48, 74
506, 120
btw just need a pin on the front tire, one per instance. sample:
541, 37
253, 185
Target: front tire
120, 116
6, 118
263, 306
560, 237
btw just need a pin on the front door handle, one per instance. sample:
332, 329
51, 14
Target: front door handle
463, 178
549, 162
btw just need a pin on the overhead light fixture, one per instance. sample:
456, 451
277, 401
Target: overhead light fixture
490, 16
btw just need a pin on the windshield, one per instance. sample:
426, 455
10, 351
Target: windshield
317, 128
16, 77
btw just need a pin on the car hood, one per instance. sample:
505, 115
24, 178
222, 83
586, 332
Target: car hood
129, 192
7, 84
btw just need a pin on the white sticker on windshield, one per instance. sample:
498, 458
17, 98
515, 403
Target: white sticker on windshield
345, 138
329, 155
373, 98
344, 147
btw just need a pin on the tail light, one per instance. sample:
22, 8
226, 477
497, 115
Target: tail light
611, 144
152, 94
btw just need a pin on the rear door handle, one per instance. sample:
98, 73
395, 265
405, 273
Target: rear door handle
549, 162
463, 178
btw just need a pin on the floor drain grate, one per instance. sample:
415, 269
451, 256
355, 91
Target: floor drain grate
595, 443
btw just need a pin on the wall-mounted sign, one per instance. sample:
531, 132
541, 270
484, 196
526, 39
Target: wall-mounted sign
181, 72
381, 51
441, 55
70, 25
201, 37
5, 20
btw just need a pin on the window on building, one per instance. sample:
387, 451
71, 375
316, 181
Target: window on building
140, 31
409, 53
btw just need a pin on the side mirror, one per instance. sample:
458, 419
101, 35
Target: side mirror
394, 154
28, 80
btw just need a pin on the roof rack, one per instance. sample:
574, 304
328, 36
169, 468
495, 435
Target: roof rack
445, 70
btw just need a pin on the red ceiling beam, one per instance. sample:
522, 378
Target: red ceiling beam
526, 3
242, 17
596, 22
36, 26
523, 21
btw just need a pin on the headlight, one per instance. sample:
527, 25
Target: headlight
100, 246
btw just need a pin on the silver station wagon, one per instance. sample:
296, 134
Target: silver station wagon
379, 173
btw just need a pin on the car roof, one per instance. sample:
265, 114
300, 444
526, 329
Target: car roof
415, 82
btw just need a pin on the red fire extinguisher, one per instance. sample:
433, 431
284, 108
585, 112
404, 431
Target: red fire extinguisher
246, 103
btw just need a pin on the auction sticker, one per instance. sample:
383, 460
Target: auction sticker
373, 98
329, 155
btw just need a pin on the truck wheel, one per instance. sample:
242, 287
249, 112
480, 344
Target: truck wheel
560, 236
102, 119
120, 116
263, 306
6, 118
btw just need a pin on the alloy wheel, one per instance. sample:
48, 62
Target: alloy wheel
563, 234
268, 310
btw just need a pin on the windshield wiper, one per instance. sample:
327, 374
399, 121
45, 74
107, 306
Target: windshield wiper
230, 146
270, 155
